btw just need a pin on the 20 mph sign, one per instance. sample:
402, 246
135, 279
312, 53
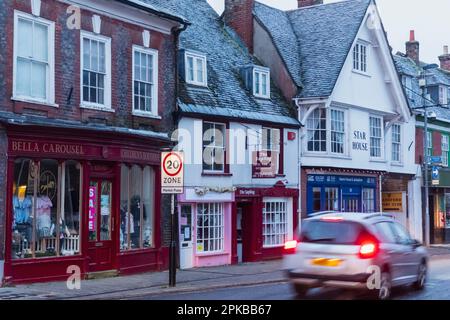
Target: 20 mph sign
172, 172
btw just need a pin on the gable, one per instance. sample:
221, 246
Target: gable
356, 88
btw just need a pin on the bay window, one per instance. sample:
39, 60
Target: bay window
137, 201
33, 58
46, 208
210, 227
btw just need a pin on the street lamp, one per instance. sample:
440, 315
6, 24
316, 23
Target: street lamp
423, 85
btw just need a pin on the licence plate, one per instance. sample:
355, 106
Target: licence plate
323, 262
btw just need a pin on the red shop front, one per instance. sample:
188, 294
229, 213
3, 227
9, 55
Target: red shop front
263, 220
81, 201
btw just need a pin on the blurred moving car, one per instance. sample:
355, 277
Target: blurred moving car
370, 252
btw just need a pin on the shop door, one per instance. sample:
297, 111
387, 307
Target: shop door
351, 204
239, 234
101, 225
186, 246
244, 232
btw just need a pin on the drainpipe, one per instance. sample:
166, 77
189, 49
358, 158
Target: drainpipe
299, 166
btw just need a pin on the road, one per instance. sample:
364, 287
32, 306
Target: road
438, 288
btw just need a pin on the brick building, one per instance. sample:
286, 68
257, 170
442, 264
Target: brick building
87, 92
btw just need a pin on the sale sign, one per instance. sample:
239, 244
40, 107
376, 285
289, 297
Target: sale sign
92, 207
172, 172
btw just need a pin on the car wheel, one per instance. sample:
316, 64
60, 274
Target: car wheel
301, 290
384, 292
421, 277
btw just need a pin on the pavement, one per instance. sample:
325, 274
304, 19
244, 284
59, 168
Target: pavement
156, 283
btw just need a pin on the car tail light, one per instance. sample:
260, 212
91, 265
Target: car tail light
290, 247
368, 249
333, 219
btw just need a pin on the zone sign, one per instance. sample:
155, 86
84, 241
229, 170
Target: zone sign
172, 172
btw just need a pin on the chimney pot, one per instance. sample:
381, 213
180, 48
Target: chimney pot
413, 47
445, 49
412, 36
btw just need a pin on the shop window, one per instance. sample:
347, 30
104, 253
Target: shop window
210, 227
213, 147
137, 207
46, 202
332, 199
275, 223
368, 200
317, 130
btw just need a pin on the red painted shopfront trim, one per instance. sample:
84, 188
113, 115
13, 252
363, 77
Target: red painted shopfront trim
54, 269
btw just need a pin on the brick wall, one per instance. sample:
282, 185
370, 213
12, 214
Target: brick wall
67, 68
238, 15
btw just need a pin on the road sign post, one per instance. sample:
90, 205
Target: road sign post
172, 182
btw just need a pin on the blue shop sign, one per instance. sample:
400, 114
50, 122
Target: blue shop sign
341, 180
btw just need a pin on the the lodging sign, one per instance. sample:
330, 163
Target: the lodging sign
264, 164
172, 172
392, 202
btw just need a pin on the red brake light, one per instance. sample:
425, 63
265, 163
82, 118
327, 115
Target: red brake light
368, 249
290, 247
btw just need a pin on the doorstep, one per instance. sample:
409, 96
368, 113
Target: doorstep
102, 274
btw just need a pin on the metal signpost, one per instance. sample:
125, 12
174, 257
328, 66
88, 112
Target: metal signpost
172, 182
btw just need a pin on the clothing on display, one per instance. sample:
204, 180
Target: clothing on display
22, 209
43, 217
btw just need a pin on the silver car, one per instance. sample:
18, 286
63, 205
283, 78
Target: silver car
372, 252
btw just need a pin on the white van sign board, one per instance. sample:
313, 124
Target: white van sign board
172, 172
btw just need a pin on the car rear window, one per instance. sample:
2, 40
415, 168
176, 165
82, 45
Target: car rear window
342, 232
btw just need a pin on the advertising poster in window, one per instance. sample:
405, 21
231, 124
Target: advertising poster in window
92, 207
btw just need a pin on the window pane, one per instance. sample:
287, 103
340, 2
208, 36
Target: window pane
40, 39
135, 206
102, 59
23, 78
190, 69
264, 84
200, 70
25, 39
38, 80
22, 205
94, 55
124, 208
86, 53
48, 228
70, 234
105, 211
148, 202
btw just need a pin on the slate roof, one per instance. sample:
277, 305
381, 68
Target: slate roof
157, 7
325, 34
226, 95
406, 66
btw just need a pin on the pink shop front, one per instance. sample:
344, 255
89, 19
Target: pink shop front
205, 220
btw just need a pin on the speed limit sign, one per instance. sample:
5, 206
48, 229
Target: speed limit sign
172, 172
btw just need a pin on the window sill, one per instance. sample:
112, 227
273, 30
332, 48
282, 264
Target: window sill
397, 164
377, 160
211, 254
361, 73
146, 115
97, 108
39, 102
218, 174
326, 155
262, 97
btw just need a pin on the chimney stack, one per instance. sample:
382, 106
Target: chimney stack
413, 47
238, 15
308, 3
445, 59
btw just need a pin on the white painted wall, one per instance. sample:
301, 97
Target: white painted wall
190, 133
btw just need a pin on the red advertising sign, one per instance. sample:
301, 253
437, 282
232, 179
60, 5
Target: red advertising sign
92, 207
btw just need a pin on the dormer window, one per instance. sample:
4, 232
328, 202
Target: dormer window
261, 83
196, 69
443, 95
360, 52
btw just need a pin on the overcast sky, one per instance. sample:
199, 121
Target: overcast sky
430, 19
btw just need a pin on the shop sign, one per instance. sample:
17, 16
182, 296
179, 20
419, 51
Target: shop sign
92, 207
392, 202
264, 164
47, 148
335, 179
172, 172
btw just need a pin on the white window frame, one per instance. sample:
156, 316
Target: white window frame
399, 143
430, 143
445, 149
443, 95
107, 90
366, 199
218, 232
344, 144
276, 227
196, 56
258, 73
50, 84
154, 107
381, 157
326, 130
358, 57
214, 146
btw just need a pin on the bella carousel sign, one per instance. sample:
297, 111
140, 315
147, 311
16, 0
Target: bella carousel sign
53, 148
